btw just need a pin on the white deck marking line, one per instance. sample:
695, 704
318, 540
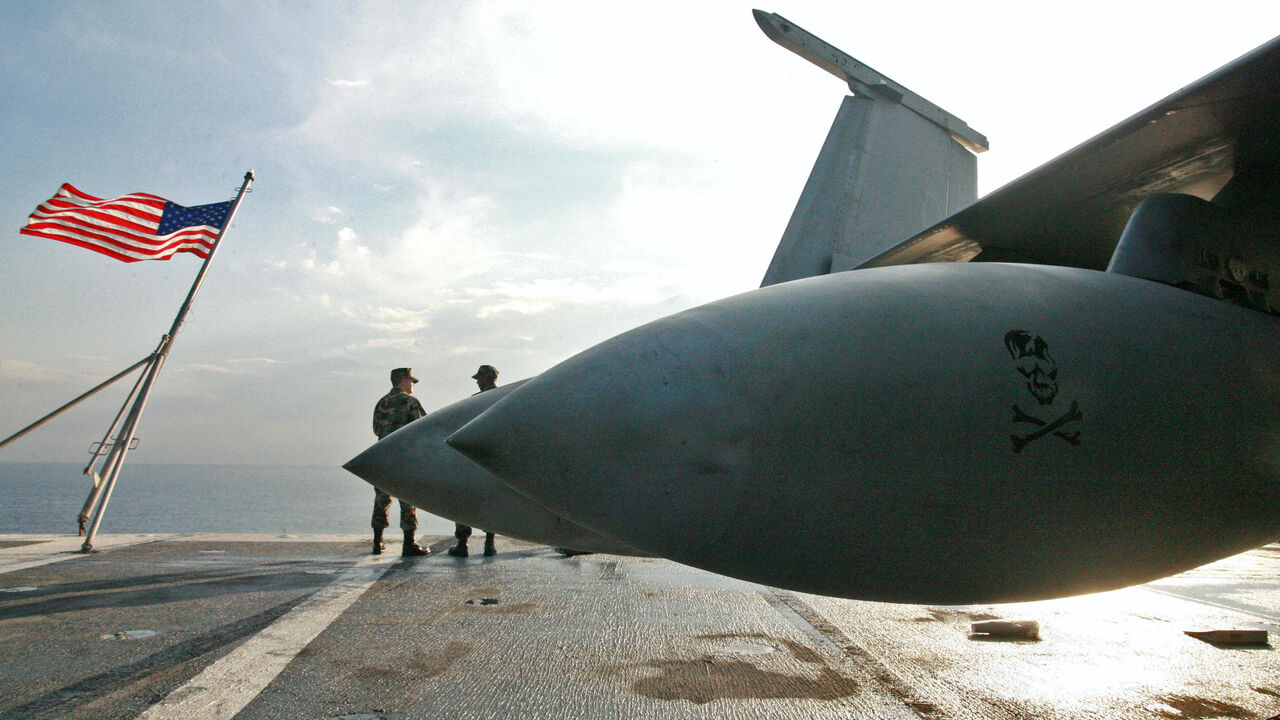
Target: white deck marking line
56, 548
1211, 603
225, 687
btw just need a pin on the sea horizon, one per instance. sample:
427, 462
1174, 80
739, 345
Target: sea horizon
46, 497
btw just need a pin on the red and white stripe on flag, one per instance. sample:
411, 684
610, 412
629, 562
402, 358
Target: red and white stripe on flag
138, 226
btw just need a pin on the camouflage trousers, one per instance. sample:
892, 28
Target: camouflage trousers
408, 513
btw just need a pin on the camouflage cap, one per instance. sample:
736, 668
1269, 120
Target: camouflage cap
485, 371
400, 373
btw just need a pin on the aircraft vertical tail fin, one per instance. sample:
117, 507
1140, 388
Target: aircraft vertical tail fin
892, 165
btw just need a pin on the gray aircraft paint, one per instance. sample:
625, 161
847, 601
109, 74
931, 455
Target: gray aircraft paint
415, 465
942, 433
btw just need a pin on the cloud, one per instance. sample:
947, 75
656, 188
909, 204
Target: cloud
489, 171
254, 363
545, 294
348, 256
330, 269
33, 372
443, 247
204, 367
402, 344
328, 215
397, 319
436, 70
239, 367
523, 169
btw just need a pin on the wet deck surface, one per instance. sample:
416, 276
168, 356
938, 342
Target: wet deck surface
186, 626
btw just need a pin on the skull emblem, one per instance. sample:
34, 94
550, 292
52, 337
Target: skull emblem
1034, 363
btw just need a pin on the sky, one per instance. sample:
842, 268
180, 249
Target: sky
445, 184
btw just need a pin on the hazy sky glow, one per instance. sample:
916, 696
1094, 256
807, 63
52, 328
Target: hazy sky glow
446, 184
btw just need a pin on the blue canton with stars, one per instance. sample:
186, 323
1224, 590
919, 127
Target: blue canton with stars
177, 217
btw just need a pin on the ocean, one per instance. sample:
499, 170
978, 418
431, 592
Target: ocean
47, 497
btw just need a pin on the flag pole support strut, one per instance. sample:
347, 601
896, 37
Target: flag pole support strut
105, 484
144, 361
108, 442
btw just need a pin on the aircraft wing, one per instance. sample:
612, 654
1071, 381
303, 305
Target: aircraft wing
1072, 210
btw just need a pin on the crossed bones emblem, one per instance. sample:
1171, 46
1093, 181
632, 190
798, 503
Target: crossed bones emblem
1072, 437
1040, 371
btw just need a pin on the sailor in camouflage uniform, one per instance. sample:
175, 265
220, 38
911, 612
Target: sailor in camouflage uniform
487, 379
395, 410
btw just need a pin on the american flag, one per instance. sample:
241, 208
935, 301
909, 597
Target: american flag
139, 226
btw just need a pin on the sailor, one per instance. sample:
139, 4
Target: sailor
396, 409
487, 379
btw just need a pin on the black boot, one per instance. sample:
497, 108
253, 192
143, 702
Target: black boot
489, 549
411, 548
378, 545
459, 549
570, 552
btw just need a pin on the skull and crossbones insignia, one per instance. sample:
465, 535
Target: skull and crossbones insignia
1039, 371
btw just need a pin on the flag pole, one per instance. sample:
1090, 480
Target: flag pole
115, 459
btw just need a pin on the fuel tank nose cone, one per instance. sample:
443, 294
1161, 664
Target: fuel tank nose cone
363, 465
474, 442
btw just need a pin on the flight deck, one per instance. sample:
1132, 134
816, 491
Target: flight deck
313, 626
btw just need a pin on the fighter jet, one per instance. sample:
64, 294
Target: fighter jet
1099, 409
415, 465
